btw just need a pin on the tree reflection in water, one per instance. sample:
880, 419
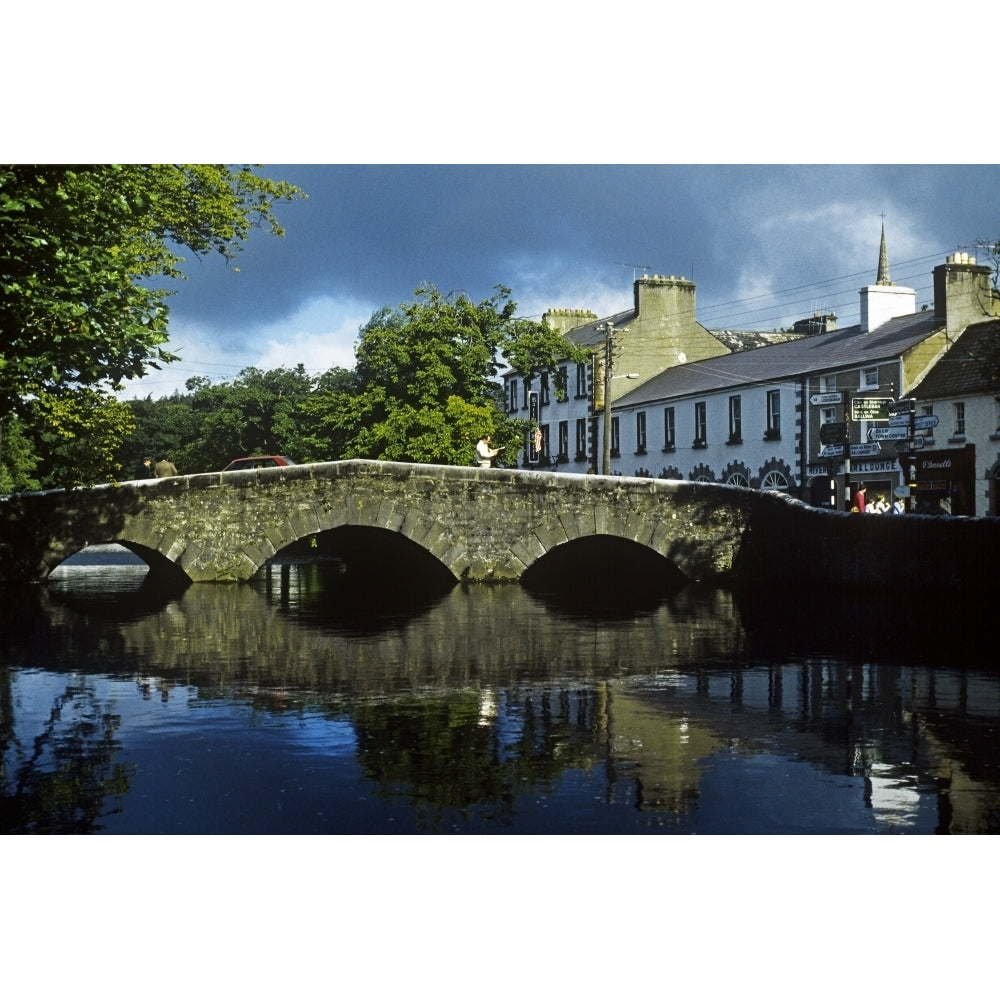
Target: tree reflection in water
62, 780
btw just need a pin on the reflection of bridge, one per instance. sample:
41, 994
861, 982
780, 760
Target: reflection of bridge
487, 525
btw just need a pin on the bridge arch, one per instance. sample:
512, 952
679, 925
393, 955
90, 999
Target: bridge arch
489, 525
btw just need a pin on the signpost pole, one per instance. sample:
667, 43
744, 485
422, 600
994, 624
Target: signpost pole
847, 449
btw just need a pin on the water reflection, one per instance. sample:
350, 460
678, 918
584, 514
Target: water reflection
300, 704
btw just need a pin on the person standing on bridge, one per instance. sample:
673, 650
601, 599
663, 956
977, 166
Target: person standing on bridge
485, 453
145, 469
165, 468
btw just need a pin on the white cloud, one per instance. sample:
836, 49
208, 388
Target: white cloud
320, 335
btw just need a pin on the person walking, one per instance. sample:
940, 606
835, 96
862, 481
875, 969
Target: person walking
485, 453
165, 468
859, 498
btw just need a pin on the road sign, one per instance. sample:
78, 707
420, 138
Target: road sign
832, 433
888, 433
922, 423
870, 407
861, 450
826, 398
832, 451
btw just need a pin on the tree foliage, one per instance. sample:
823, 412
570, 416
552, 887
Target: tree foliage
84, 252
425, 385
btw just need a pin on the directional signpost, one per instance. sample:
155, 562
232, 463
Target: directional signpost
857, 450
832, 433
925, 422
826, 398
870, 408
888, 433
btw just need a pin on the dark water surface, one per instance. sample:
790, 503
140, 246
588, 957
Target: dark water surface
300, 704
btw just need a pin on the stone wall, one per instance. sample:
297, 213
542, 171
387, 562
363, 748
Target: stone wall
489, 525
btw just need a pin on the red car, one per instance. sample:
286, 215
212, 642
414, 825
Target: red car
258, 462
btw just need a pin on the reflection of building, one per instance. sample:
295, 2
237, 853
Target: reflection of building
902, 756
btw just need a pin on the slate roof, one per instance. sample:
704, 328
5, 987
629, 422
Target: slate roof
589, 335
819, 353
962, 372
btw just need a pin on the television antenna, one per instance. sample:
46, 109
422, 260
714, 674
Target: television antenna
635, 267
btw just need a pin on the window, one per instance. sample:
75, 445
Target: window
527, 389
828, 415
546, 454
773, 415
563, 440
700, 425
581, 381
774, 481
669, 437
735, 420
640, 433
615, 441
869, 378
545, 388
512, 395
828, 383
960, 420
581, 439
562, 381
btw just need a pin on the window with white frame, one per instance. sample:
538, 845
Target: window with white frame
563, 440
545, 389
615, 439
960, 420
640, 433
828, 383
869, 378
669, 434
581, 439
773, 413
828, 415
735, 419
581, 380
700, 423
512, 395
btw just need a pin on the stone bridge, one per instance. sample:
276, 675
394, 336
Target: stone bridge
410, 521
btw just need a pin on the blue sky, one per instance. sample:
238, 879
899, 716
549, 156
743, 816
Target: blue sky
765, 245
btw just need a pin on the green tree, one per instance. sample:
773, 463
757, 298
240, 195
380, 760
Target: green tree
75, 439
257, 414
85, 251
17, 457
425, 385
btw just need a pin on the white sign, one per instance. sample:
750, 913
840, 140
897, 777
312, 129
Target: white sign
831, 451
859, 450
888, 434
826, 398
924, 422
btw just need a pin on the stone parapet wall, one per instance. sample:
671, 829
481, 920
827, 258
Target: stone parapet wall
489, 525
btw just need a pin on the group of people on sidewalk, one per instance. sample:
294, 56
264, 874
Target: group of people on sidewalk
879, 506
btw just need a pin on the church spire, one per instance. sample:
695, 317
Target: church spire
883, 260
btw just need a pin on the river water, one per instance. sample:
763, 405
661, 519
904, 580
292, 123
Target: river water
299, 704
